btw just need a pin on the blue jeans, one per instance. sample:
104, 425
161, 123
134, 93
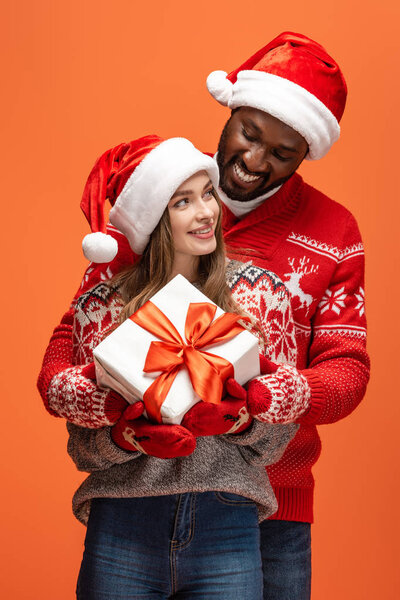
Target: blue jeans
286, 556
203, 546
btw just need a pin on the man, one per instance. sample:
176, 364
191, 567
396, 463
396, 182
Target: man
286, 101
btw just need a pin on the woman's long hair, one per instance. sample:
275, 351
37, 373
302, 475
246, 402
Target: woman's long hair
140, 282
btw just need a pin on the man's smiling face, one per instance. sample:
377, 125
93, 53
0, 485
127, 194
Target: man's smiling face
257, 153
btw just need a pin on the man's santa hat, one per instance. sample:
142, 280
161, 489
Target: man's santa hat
293, 79
138, 178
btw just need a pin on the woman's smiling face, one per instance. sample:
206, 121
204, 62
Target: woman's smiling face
193, 212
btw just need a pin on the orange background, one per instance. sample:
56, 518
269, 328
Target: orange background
80, 76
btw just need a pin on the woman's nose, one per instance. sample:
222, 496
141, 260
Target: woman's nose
204, 210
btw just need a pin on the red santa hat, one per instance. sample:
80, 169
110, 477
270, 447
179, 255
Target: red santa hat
138, 178
293, 79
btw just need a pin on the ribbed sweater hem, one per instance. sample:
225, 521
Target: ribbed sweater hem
294, 504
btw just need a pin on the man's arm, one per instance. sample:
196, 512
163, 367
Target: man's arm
68, 378
338, 371
59, 355
339, 365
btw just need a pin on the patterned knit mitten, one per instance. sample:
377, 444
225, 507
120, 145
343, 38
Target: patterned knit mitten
135, 433
230, 416
281, 396
75, 395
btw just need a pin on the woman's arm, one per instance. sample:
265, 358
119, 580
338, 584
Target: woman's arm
94, 450
263, 444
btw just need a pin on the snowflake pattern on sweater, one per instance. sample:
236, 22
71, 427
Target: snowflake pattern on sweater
264, 296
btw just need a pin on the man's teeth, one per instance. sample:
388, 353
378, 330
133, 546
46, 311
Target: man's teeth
207, 230
244, 176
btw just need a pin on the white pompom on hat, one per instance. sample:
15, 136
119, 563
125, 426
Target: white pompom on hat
293, 79
139, 179
99, 247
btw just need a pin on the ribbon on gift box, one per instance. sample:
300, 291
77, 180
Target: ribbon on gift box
208, 372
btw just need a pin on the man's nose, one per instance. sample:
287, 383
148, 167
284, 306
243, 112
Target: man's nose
256, 160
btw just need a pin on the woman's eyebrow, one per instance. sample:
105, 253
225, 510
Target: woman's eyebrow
187, 192
181, 193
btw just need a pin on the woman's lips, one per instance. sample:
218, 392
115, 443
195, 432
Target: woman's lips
204, 233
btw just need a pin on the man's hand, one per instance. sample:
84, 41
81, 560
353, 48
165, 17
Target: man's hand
230, 416
136, 434
281, 395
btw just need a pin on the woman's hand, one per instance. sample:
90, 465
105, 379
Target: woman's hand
230, 416
134, 433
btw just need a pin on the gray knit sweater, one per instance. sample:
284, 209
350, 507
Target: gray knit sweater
227, 463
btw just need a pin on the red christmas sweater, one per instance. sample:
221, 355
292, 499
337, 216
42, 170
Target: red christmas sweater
313, 244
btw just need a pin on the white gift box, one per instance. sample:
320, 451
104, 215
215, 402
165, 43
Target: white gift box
121, 356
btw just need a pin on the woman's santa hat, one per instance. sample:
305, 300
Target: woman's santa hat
293, 79
138, 178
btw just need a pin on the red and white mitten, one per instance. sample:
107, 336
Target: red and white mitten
75, 395
281, 396
136, 434
230, 416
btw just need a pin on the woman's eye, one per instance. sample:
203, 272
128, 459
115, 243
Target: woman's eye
181, 202
209, 193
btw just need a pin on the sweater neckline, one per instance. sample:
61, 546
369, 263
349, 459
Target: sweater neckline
274, 216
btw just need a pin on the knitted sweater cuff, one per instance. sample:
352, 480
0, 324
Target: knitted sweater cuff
249, 436
50, 369
43, 384
317, 402
110, 451
114, 406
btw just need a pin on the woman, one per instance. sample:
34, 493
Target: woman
186, 527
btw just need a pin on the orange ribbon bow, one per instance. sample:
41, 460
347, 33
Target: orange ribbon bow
207, 371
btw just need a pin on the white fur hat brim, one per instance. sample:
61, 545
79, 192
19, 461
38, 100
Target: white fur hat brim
283, 99
146, 194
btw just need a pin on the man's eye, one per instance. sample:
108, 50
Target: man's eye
280, 157
247, 135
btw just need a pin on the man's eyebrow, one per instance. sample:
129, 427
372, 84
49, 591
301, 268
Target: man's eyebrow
249, 122
288, 148
187, 192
